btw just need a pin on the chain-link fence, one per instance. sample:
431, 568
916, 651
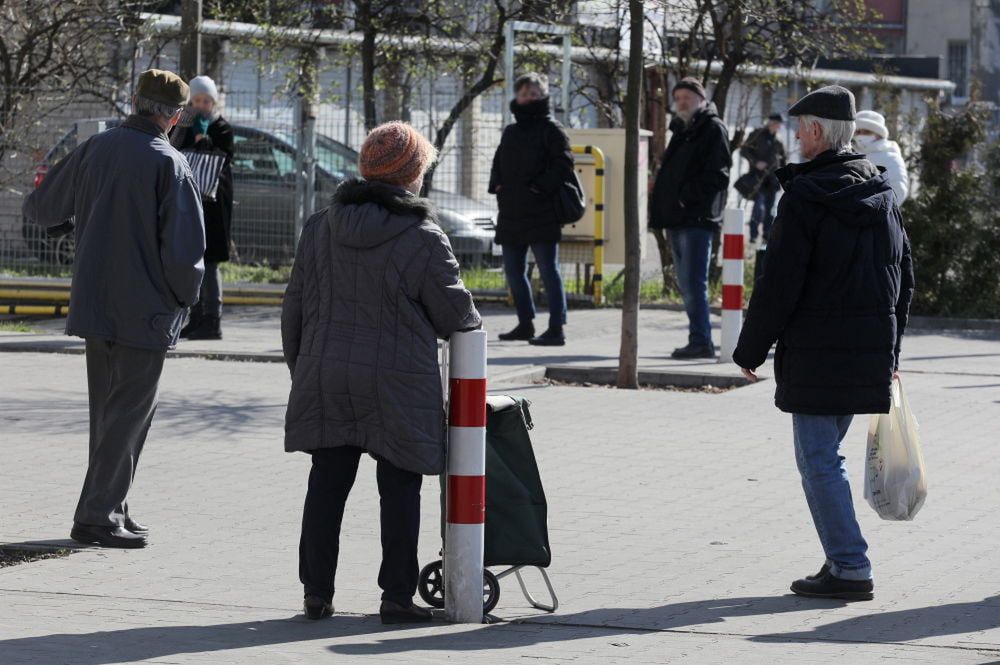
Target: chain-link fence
270, 192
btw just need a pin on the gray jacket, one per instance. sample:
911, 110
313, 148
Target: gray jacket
374, 285
140, 236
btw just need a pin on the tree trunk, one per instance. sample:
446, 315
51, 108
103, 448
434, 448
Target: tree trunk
364, 19
628, 356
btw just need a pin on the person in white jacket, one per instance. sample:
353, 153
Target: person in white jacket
871, 138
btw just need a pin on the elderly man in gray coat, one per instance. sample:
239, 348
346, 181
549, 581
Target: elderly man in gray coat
132, 203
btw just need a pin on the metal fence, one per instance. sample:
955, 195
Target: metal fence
270, 192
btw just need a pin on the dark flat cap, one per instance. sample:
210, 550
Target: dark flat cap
832, 102
692, 84
777, 117
164, 87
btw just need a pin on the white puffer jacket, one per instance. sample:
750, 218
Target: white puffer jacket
886, 153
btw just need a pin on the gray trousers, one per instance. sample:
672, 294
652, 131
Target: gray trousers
122, 382
210, 299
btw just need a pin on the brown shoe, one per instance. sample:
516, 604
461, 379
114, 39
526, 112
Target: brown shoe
395, 613
317, 608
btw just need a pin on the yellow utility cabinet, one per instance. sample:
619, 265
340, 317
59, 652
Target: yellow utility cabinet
612, 144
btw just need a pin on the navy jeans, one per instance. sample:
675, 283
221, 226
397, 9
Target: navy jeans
515, 266
692, 248
828, 493
763, 214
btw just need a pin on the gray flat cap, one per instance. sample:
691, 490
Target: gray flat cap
832, 102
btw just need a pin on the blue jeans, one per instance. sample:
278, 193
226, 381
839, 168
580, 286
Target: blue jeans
692, 248
828, 492
515, 266
763, 214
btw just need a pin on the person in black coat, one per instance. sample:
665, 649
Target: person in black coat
530, 165
687, 200
834, 293
765, 153
205, 130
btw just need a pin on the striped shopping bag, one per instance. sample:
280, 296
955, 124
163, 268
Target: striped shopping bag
206, 167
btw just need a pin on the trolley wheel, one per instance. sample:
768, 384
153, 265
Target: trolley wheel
431, 587
431, 584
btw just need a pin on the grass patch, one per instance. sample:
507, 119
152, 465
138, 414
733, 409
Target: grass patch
37, 271
16, 326
12, 556
254, 274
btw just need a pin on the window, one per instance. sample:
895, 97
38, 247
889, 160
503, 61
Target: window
257, 157
958, 67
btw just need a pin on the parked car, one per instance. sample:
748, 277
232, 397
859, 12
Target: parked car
265, 202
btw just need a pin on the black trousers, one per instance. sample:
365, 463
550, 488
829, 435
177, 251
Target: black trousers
330, 481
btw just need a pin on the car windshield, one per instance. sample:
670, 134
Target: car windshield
336, 159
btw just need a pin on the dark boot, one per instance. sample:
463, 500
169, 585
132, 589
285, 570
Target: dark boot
693, 352
524, 331
828, 586
317, 608
210, 328
193, 323
552, 337
395, 613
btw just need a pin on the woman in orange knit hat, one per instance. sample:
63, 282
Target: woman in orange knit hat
374, 285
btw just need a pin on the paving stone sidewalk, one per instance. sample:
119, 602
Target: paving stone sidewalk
676, 521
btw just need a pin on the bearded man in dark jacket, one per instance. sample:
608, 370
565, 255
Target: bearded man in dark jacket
834, 294
687, 200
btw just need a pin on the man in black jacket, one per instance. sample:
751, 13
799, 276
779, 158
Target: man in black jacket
687, 200
834, 294
765, 153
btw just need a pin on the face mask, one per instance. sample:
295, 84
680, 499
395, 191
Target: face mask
865, 141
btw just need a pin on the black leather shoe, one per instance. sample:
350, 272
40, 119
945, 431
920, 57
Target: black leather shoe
822, 571
522, 333
317, 608
395, 613
551, 337
209, 328
107, 536
693, 352
828, 586
135, 527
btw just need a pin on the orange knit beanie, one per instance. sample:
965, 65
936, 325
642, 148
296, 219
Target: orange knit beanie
395, 153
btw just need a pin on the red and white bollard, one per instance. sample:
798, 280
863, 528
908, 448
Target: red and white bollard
732, 282
466, 488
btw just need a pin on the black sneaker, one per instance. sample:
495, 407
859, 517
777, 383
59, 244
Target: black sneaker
551, 337
392, 613
693, 352
828, 586
317, 608
522, 333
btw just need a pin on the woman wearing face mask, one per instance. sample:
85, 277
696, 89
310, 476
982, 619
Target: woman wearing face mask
207, 131
871, 138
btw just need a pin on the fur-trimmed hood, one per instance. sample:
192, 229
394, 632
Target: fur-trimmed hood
367, 214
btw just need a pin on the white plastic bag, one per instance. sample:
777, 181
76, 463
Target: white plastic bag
895, 478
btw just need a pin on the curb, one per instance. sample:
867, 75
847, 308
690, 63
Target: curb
649, 377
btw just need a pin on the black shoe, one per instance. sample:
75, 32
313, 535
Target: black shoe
317, 608
210, 328
522, 333
828, 586
135, 527
193, 322
551, 337
107, 536
693, 352
822, 571
395, 613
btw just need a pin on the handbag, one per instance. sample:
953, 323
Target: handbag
570, 201
206, 167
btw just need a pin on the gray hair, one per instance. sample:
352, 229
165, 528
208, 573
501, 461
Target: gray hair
147, 107
533, 78
838, 133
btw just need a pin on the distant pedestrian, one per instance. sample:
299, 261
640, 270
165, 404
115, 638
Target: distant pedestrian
530, 166
765, 153
209, 132
871, 139
373, 287
835, 294
129, 197
688, 197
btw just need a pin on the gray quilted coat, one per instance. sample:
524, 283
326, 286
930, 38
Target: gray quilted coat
374, 285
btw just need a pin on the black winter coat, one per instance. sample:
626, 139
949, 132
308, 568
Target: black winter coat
218, 213
763, 146
835, 289
529, 167
693, 181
